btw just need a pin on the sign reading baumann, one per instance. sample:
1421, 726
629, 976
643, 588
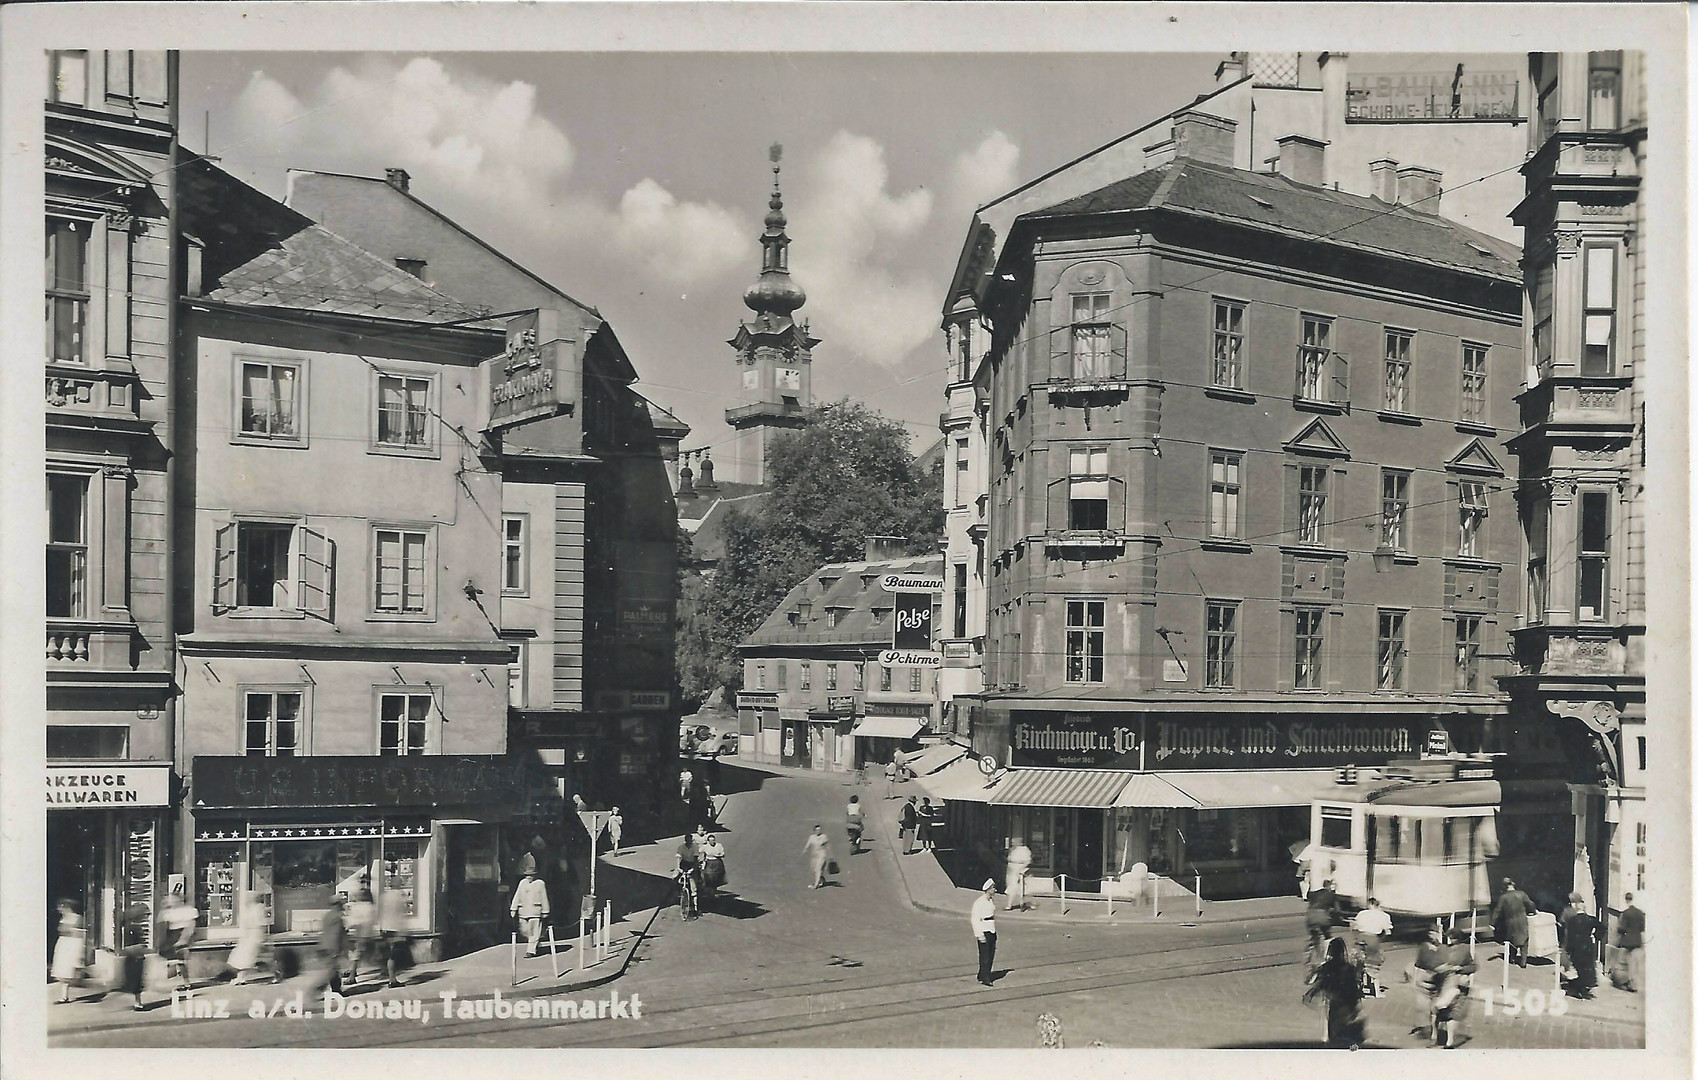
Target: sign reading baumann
97, 786
1157, 742
1457, 94
488, 781
526, 381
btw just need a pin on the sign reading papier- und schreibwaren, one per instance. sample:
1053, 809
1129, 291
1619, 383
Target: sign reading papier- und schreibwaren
95, 787
1178, 741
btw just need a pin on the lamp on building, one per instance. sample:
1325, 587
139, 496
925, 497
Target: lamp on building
1385, 556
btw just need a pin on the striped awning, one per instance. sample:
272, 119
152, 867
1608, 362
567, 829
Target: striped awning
1229, 789
1094, 788
1149, 789
933, 758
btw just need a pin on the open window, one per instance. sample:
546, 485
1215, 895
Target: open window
262, 567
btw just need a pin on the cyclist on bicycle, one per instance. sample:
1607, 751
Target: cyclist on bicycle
688, 876
856, 821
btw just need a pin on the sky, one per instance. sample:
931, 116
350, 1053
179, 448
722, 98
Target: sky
637, 182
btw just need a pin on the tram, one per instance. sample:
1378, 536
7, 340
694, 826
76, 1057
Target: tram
1418, 839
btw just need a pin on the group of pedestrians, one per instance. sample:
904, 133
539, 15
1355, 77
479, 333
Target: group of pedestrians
919, 823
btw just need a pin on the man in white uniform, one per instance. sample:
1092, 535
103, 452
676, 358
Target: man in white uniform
984, 929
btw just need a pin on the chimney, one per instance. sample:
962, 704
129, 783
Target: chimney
708, 483
1159, 153
1419, 187
1202, 137
880, 548
1302, 160
1382, 182
397, 179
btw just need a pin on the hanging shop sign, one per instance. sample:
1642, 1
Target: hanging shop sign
95, 787
912, 625
529, 378
1157, 742
906, 658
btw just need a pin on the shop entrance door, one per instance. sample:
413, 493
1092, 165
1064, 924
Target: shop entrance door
75, 856
1088, 848
473, 908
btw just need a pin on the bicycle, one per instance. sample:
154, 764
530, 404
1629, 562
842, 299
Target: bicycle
689, 899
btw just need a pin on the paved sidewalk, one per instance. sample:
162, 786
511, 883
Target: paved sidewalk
929, 887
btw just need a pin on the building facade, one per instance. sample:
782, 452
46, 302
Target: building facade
344, 684
110, 202
815, 694
589, 520
1246, 514
1580, 455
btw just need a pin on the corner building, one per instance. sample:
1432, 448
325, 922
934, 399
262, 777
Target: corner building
1247, 517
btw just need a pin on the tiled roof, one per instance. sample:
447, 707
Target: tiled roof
1269, 201
863, 608
707, 532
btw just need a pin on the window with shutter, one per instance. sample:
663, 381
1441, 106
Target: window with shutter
224, 568
316, 578
400, 573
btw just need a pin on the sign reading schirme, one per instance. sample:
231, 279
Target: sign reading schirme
1158, 742
491, 782
1456, 93
528, 379
97, 786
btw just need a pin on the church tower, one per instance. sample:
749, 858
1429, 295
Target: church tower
774, 351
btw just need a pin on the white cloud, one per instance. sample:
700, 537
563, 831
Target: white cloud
485, 154
857, 242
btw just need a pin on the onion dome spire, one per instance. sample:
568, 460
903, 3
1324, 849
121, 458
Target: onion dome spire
775, 293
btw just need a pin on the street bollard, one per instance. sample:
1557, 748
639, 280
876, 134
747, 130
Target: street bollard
1107, 882
513, 955
1506, 971
580, 943
553, 954
1062, 879
1197, 882
1155, 896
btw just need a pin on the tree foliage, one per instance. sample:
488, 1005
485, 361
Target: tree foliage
843, 478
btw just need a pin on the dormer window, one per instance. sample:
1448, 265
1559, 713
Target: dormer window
831, 617
826, 583
879, 614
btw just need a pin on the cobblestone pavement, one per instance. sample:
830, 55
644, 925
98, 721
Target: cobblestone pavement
855, 965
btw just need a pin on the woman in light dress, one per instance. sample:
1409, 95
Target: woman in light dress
68, 951
250, 936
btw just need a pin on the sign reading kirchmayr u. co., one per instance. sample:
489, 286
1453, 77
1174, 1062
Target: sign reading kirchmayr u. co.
526, 380
1097, 741
97, 786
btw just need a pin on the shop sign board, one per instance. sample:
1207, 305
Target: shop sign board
1453, 94
99, 786
1157, 742
905, 658
644, 619
912, 623
842, 706
491, 782
139, 871
526, 380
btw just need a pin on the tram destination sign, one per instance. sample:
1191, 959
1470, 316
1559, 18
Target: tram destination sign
1155, 742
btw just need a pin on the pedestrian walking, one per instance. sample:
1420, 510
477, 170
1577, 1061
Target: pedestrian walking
1509, 921
1579, 946
1322, 915
909, 820
926, 819
332, 942
1338, 981
1019, 865
136, 922
686, 781
818, 850
530, 904
855, 822
1371, 924
68, 950
615, 829
251, 926
983, 920
1630, 939
363, 930
181, 921
397, 947
890, 780
1450, 1005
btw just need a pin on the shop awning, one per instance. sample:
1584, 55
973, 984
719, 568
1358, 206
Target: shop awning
958, 782
1149, 789
1091, 788
933, 758
888, 727
1227, 789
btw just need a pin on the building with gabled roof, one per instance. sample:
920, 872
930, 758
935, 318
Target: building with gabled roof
814, 692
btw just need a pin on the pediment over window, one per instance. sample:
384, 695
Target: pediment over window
1475, 458
1317, 439
83, 160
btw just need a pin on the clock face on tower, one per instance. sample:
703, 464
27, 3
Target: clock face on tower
789, 378
751, 379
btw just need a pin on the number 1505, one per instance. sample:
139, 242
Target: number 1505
1531, 1002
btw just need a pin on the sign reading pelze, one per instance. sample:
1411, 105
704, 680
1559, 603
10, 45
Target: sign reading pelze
913, 624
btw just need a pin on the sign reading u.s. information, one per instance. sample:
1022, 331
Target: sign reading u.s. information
529, 378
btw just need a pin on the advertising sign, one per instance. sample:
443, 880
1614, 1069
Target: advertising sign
905, 658
912, 627
1456, 94
527, 380
842, 706
139, 871
96, 786
900, 582
496, 783
1178, 741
